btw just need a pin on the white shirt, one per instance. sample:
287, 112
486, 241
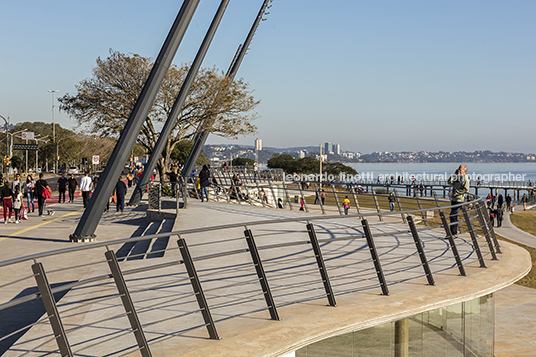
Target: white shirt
86, 183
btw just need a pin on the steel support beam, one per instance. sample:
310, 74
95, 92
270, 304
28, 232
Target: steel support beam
202, 136
178, 105
90, 219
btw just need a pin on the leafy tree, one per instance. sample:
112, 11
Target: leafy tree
103, 103
243, 161
181, 151
307, 165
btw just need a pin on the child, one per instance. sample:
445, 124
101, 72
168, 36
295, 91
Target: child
346, 204
17, 203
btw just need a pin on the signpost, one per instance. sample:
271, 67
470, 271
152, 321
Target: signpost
95, 160
33, 147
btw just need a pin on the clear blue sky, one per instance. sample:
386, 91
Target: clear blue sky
370, 75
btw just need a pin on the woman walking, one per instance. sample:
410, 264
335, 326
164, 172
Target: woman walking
29, 187
6, 195
17, 203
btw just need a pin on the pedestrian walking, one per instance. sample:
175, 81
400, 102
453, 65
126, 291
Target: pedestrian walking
499, 217
500, 201
42, 191
7, 202
72, 184
392, 201
346, 205
29, 188
508, 202
120, 193
492, 217
524, 200
61, 186
130, 178
323, 196
86, 183
17, 203
460, 183
204, 182
16, 182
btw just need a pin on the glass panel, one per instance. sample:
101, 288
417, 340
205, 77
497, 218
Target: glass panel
434, 334
455, 334
374, 342
439, 332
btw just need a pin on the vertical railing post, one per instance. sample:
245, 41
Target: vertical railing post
485, 216
321, 266
302, 197
257, 262
287, 196
375, 257
399, 206
51, 309
473, 237
423, 213
420, 249
273, 193
352, 188
336, 199
320, 199
376, 203
128, 304
452, 243
472, 228
259, 193
198, 290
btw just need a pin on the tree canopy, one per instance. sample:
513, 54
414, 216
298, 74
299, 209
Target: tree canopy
307, 165
103, 103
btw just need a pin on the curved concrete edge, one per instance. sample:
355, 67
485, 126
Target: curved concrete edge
307, 323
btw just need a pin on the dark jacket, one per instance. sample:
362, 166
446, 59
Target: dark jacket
204, 178
120, 189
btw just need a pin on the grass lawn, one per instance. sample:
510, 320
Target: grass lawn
530, 279
525, 220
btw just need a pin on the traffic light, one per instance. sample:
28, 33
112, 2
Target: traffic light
6, 160
94, 136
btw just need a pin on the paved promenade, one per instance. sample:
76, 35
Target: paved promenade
515, 319
515, 305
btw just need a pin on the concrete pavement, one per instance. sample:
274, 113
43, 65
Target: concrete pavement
515, 307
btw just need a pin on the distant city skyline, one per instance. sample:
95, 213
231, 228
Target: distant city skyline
371, 76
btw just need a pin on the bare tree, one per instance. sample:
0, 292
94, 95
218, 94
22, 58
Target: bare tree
103, 103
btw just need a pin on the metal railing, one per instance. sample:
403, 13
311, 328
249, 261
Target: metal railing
233, 270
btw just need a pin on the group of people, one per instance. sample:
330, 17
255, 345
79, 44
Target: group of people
37, 193
12, 195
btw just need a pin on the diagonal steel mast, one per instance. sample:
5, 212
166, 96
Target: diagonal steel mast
177, 106
85, 231
201, 138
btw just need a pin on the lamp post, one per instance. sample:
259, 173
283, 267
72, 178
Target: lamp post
58, 145
53, 91
7, 142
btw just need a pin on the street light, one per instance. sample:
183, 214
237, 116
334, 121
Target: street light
53, 91
58, 145
7, 143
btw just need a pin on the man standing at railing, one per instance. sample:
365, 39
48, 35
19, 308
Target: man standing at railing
460, 183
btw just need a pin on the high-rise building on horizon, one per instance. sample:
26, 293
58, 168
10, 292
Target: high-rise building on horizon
328, 148
258, 144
